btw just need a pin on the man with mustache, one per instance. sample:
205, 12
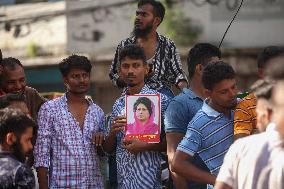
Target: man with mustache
210, 132
161, 53
138, 163
70, 132
13, 80
16, 132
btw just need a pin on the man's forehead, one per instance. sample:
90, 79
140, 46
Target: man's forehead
144, 8
128, 60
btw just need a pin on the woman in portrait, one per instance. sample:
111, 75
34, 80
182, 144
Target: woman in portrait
144, 114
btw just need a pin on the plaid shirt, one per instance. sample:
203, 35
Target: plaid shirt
166, 64
67, 150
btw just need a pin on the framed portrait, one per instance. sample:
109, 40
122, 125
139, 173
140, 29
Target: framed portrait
143, 117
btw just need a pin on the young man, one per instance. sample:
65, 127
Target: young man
68, 126
210, 132
245, 113
13, 81
16, 132
138, 163
184, 106
256, 161
161, 53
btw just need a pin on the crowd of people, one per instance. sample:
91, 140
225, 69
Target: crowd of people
209, 137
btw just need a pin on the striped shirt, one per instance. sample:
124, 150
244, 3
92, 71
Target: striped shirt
210, 134
65, 148
245, 116
166, 64
141, 171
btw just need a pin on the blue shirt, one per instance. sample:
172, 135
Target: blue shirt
181, 110
209, 134
141, 171
179, 113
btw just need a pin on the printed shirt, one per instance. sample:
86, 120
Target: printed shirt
245, 116
166, 64
209, 134
14, 174
249, 158
65, 148
141, 171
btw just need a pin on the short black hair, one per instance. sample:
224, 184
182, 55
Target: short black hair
158, 7
6, 100
200, 54
74, 62
267, 54
143, 100
11, 63
262, 88
216, 72
132, 51
12, 120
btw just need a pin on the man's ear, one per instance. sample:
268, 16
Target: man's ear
198, 69
207, 92
157, 21
147, 68
11, 139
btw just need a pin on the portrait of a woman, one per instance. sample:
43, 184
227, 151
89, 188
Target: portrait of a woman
144, 114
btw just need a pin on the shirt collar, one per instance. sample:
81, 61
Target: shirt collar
208, 110
88, 99
133, 38
190, 93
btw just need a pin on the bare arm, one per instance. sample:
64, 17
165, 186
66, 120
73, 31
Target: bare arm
117, 125
173, 139
185, 168
222, 185
42, 177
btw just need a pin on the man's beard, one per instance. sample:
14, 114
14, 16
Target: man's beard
18, 152
137, 32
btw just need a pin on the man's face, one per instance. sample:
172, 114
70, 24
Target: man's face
133, 71
22, 147
278, 106
144, 20
262, 114
77, 81
224, 94
13, 81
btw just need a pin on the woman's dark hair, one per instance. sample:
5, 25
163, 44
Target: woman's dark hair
74, 61
143, 100
215, 72
12, 120
132, 51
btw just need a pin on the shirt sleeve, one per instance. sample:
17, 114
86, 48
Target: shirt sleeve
175, 120
113, 73
24, 178
228, 171
175, 65
43, 141
101, 121
243, 123
191, 143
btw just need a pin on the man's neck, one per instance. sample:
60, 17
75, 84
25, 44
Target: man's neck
220, 109
151, 37
76, 98
196, 87
135, 89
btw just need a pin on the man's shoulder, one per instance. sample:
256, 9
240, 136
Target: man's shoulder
247, 102
56, 102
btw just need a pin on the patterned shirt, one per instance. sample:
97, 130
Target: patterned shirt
14, 174
65, 148
166, 65
210, 134
245, 116
141, 171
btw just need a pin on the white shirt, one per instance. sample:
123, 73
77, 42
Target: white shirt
247, 158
